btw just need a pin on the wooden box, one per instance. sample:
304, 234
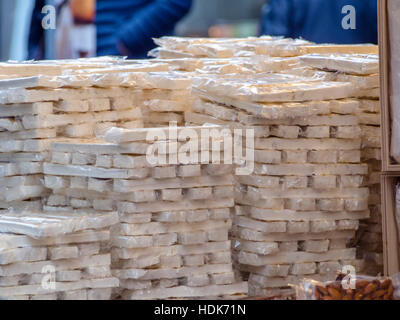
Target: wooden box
389, 223
388, 163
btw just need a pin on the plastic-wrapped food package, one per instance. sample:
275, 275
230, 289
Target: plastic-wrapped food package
347, 288
394, 37
73, 249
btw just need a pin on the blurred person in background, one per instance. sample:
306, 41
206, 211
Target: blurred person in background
123, 27
322, 21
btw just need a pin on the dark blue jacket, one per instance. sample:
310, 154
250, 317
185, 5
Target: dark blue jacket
132, 22
135, 23
320, 21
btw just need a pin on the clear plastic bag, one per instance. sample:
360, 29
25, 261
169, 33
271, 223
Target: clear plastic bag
350, 288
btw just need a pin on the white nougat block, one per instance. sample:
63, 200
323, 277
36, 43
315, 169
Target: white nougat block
193, 261
122, 103
100, 185
303, 268
104, 161
322, 157
74, 295
83, 159
104, 205
223, 278
293, 156
298, 227
348, 225
79, 130
317, 132
79, 183
101, 294
163, 240
57, 200
10, 124
59, 253
68, 275
72, 106
171, 194
288, 132
322, 226
352, 156
293, 182
324, 182
133, 242
289, 246
356, 204
164, 172
197, 280
61, 157
220, 257
93, 272
262, 248
218, 235
89, 249
22, 254
333, 205
189, 171
171, 262
144, 196
81, 203
101, 104
315, 245
349, 181
329, 267
223, 192
268, 156
197, 216
17, 110
300, 204
198, 193
193, 238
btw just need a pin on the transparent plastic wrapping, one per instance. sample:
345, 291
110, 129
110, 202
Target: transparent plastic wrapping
394, 87
44, 225
344, 287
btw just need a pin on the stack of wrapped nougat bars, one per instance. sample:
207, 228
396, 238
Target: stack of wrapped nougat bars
60, 256
297, 211
40, 103
363, 72
172, 240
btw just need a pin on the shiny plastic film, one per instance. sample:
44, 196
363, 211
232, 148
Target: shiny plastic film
348, 287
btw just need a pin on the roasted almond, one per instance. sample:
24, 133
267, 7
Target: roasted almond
390, 290
358, 296
322, 290
327, 298
370, 288
361, 284
378, 293
334, 293
348, 297
385, 284
349, 292
387, 297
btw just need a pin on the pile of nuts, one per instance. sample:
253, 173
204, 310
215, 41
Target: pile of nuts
364, 290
